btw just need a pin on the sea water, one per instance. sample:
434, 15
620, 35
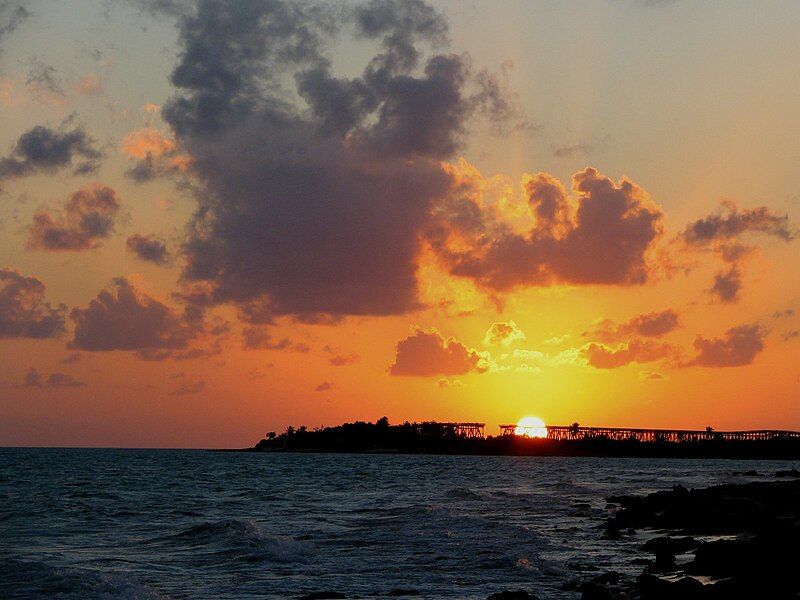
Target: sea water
133, 524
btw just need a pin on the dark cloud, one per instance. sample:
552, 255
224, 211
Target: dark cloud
42, 149
148, 248
121, 318
316, 207
43, 80
87, 217
427, 353
651, 376
11, 15
791, 334
259, 338
188, 388
23, 310
727, 285
652, 324
170, 8
601, 356
503, 334
605, 240
721, 233
739, 346
730, 222
784, 314
324, 386
33, 379
339, 359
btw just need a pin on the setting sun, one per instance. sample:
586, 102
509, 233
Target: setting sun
531, 427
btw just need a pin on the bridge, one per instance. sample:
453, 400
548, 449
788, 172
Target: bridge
470, 430
576, 432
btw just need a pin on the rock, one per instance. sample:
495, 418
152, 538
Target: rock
595, 591
790, 473
323, 596
673, 545
512, 595
401, 592
655, 588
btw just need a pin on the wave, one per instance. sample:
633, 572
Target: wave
29, 579
244, 539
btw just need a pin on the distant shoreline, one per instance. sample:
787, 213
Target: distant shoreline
444, 439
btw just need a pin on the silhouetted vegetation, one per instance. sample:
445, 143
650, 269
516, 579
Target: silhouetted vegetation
432, 437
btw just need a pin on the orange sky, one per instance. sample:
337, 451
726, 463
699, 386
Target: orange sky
435, 213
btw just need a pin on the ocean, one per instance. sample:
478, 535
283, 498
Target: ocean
146, 524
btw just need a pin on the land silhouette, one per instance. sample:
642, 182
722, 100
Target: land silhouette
432, 437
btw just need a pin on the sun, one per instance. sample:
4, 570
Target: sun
532, 427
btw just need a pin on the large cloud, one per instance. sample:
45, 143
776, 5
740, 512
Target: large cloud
42, 149
88, 217
427, 353
738, 347
120, 318
652, 324
604, 240
315, 205
23, 310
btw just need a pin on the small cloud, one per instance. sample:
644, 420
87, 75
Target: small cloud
503, 334
784, 314
446, 383
557, 340
324, 386
338, 359
651, 325
148, 248
33, 379
738, 347
790, 335
189, 388
525, 368
651, 376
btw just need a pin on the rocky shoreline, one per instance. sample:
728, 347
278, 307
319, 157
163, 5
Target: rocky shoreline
726, 541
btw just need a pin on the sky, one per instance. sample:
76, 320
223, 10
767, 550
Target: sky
219, 219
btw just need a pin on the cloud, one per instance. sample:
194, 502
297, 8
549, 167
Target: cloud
446, 383
148, 248
11, 15
605, 239
721, 233
738, 347
120, 318
602, 356
33, 379
188, 388
727, 285
155, 155
23, 310
784, 314
259, 338
651, 376
87, 217
503, 334
427, 353
45, 150
730, 222
652, 324
324, 386
338, 359
791, 334
316, 205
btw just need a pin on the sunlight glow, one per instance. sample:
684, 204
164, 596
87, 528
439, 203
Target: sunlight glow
531, 427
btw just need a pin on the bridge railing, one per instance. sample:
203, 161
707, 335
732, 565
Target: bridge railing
571, 432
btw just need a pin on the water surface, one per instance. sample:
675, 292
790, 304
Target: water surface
192, 524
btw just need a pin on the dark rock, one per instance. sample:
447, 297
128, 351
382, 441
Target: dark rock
595, 591
790, 473
512, 595
323, 596
655, 588
402, 592
673, 545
